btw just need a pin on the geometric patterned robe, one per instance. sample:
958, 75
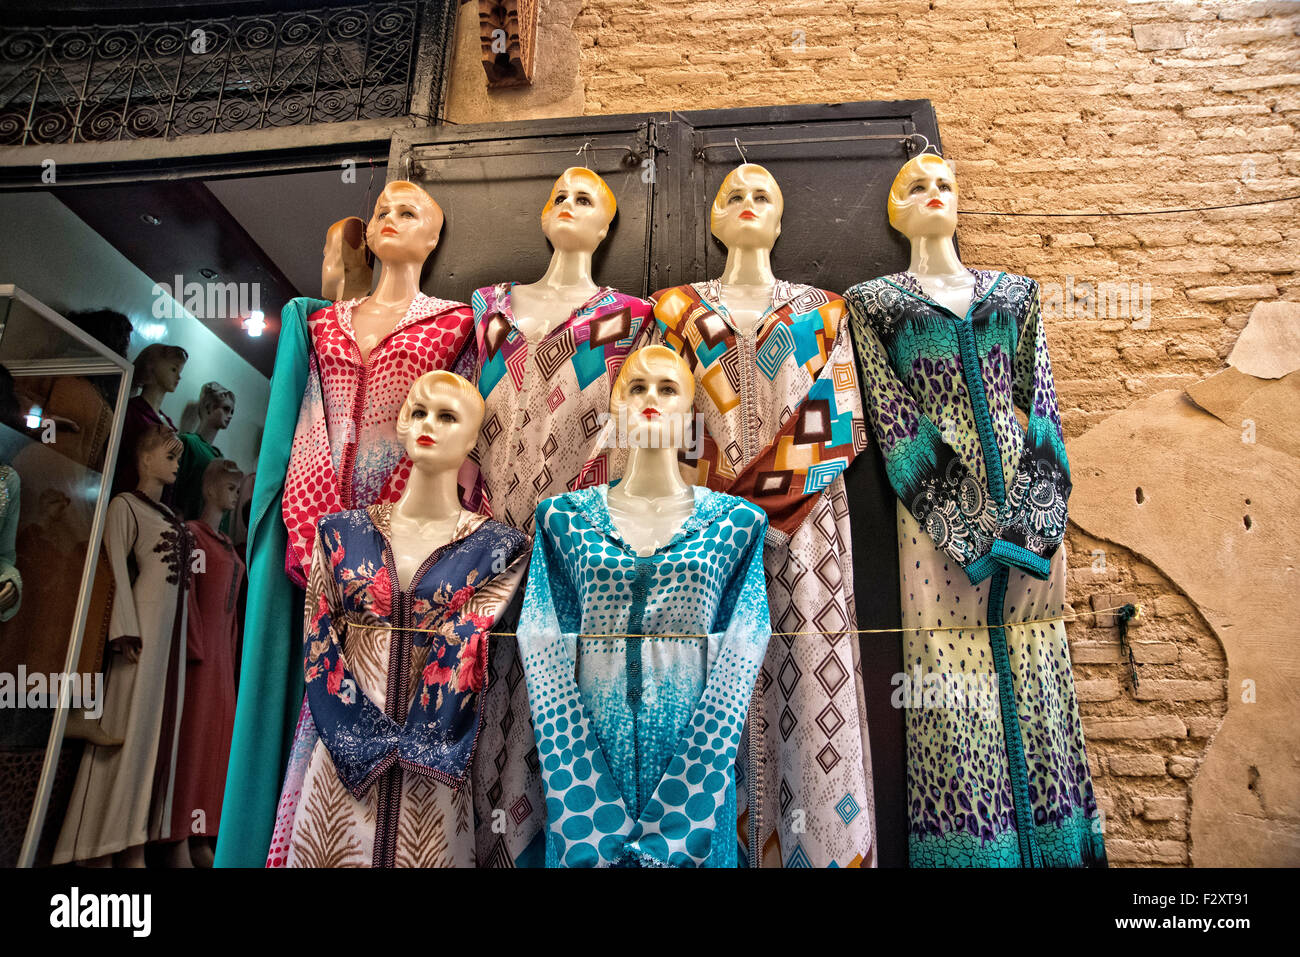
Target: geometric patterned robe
545, 432
782, 420
997, 770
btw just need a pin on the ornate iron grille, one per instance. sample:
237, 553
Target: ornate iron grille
213, 75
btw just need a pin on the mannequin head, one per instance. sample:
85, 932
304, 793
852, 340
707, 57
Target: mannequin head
216, 405
923, 198
439, 421
221, 482
347, 261
747, 209
653, 395
159, 366
158, 454
578, 213
406, 224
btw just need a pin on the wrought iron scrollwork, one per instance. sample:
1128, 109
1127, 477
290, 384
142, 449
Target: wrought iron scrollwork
217, 75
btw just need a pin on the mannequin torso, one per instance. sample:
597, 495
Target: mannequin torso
953, 291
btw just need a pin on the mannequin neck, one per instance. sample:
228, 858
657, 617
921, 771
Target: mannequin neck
150, 487
208, 432
652, 473
569, 269
153, 395
748, 266
935, 256
399, 283
430, 495
212, 514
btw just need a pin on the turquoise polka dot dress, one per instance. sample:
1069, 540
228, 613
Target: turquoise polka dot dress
639, 673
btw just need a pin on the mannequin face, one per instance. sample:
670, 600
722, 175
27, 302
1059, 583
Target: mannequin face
657, 404
444, 428
223, 493
405, 226
166, 374
578, 214
220, 414
747, 210
161, 462
927, 205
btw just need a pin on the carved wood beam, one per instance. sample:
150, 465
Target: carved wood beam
508, 31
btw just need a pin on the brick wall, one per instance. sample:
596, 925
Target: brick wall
1048, 106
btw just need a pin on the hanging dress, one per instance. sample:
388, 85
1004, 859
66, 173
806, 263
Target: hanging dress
997, 771
546, 430
211, 639
395, 679
330, 444
782, 420
197, 454
640, 671
122, 796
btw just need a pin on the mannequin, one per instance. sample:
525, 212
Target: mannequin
643, 651
926, 212
342, 373
396, 688
157, 373
652, 501
548, 354
782, 418
212, 634
122, 795
981, 518
346, 271
216, 408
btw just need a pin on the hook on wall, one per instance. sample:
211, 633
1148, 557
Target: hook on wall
911, 139
739, 149
582, 150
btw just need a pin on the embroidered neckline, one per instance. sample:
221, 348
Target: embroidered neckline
421, 307
381, 517
593, 503
985, 282
500, 305
709, 293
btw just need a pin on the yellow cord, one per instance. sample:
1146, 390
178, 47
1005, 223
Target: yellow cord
789, 634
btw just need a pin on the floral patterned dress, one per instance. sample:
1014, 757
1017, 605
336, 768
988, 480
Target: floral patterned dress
546, 430
395, 680
997, 771
639, 672
783, 418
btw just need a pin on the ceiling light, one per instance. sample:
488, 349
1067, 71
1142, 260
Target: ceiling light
151, 219
255, 323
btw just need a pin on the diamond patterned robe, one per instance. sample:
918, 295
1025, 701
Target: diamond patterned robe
997, 774
544, 432
783, 418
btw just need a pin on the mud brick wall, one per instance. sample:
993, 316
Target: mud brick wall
1045, 106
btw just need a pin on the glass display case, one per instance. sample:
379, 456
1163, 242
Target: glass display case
61, 411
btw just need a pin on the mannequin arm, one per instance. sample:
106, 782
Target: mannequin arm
362, 739
926, 473
1031, 523
120, 531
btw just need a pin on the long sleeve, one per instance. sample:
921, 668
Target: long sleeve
442, 726
1031, 523
927, 474
829, 419
120, 531
270, 695
8, 540
551, 611
362, 740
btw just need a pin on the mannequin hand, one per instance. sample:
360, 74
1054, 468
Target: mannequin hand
8, 596
130, 646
